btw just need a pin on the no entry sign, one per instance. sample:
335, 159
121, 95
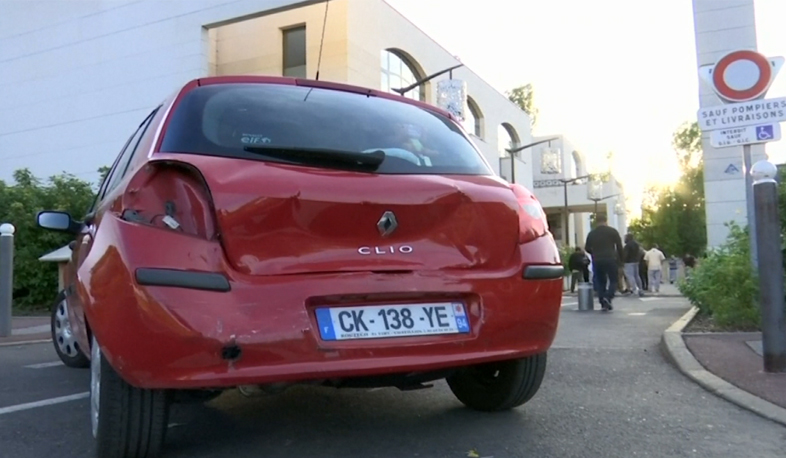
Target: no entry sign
741, 79
742, 75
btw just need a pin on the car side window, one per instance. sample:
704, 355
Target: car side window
121, 165
107, 177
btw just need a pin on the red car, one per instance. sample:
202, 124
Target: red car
260, 232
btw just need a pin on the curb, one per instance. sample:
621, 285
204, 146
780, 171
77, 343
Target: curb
675, 350
24, 342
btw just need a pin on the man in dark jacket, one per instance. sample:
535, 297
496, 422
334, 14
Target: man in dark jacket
578, 263
630, 257
605, 246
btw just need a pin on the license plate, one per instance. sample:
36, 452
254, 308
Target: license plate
379, 321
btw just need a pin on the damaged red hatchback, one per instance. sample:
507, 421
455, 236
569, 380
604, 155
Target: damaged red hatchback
260, 232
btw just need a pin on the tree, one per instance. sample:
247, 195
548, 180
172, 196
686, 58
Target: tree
674, 217
103, 171
35, 283
524, 96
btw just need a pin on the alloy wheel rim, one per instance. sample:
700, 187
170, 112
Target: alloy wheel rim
64, 335
95, 385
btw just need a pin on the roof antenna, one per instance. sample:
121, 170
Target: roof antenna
322, 41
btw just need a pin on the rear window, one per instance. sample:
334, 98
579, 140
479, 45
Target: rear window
222, 119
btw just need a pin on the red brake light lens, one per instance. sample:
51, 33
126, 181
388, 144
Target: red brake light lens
170, 196
532, 218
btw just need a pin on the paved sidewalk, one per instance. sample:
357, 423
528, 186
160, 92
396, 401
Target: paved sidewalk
736, 358
28, 328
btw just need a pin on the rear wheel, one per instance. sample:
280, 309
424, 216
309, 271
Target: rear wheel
500, 385
127, 422
66, 346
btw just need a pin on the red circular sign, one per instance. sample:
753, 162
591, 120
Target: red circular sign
757, 89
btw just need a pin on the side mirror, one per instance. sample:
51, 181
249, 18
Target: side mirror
57, 221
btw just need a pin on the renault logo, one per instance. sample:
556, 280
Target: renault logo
387, 224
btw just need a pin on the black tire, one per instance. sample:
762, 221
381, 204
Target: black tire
500, 385
132, 422
67, 349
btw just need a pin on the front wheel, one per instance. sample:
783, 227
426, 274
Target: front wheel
500, 385
127, 422
66, 345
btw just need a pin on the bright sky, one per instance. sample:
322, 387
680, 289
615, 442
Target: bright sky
612, 75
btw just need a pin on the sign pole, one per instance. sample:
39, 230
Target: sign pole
751, 207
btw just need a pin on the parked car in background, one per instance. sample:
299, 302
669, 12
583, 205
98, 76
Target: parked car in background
260, 232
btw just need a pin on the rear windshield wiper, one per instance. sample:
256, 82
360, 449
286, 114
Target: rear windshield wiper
321, 156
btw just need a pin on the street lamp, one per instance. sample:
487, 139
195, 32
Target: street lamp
598, 199
565, 182
404, 90
513, 151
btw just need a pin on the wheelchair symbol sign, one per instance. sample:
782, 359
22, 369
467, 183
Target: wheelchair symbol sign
764, 132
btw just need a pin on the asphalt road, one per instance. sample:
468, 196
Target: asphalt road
608, 393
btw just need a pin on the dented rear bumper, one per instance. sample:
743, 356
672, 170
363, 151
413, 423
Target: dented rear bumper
165, 318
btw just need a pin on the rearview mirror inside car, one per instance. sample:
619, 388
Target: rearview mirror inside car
56, 221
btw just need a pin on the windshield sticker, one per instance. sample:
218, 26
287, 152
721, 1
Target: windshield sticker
254, 139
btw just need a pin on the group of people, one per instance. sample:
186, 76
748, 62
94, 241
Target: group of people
603, 255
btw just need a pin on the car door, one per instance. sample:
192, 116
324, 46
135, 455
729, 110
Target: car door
80, 247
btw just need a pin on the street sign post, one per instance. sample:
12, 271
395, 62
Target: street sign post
741, 79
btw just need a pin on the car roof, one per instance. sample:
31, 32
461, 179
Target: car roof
305, 82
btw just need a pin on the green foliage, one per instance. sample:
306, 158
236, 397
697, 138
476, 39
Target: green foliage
35, 282
674, 217
524, 97
564, 255
103, 171
723, 285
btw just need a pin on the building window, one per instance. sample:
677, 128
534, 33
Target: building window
295, 52
577, 163
397, 73
507, 138
474, 119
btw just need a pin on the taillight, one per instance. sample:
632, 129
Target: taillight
532, 218
170, 196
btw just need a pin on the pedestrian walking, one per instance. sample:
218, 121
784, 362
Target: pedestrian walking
655, 258
605, 246
631, 254
672, 269
643, 271
690, 263
578, 263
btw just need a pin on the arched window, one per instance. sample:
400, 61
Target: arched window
508, 138
398, 72
577, 162
473, 121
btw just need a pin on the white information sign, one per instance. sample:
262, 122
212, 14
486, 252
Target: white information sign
738, 136
751, 113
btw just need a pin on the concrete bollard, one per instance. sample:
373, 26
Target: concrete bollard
6, 277
770, 265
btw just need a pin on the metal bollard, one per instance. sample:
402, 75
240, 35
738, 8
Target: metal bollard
586, 298
770, 265
6, 277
